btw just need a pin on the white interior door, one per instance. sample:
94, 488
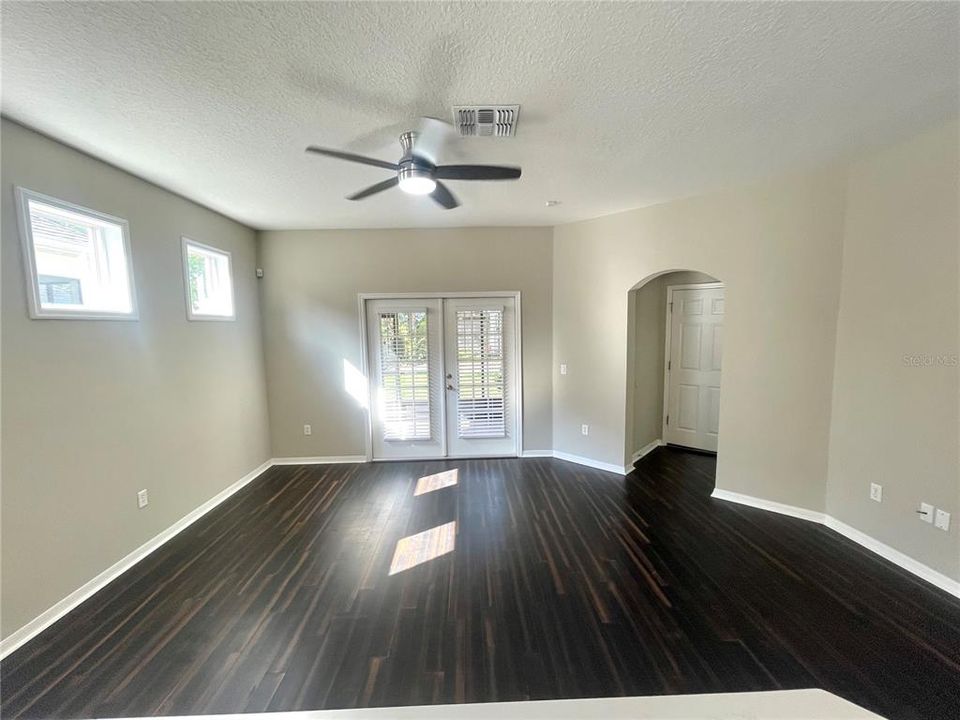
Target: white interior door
405, 351
480, 378
695, 350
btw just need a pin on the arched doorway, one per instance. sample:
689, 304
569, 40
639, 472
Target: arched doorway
673, 362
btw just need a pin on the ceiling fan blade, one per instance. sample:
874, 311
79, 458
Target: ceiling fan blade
443, 196
351, 157
374, 189
477, 172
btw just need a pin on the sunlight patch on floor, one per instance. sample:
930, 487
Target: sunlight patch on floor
427, 545
437, 481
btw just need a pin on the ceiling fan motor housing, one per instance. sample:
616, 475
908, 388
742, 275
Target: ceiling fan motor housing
413, 169
415, 174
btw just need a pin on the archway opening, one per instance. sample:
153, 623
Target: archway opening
674, 351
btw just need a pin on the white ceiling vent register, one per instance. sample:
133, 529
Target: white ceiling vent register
486, 120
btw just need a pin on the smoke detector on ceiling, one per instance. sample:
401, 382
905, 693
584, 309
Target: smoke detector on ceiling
486, 120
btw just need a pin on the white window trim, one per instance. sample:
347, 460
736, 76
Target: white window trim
201, 317
37, 311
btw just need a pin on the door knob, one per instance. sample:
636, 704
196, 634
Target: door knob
450, 387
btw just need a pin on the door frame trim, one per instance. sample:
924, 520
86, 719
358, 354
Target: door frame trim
362, 299
666, 344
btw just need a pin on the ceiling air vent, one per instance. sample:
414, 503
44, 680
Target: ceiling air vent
486, 120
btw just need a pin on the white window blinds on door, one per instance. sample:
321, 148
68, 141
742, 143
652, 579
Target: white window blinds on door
404, 375
480, 374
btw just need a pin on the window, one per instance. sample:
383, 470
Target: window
77, 260
209, 282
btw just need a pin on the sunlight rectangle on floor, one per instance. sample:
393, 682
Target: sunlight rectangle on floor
427, 545
437, 481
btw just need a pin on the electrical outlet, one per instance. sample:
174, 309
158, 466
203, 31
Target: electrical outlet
584, 429
563, 368
307, 430
876, 492
926, 512
942, 520
142, 499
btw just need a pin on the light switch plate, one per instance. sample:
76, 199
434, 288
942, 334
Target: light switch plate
942, 520
584, 429
876, 492
307, 430
142, 499
563, 368
926, 512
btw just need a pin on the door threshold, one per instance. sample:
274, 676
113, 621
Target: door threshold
700, 451
445, 457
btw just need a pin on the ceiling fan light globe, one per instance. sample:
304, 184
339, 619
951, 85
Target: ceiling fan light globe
418, 185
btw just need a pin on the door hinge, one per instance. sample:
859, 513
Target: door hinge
669, 364
668, 419
671, 307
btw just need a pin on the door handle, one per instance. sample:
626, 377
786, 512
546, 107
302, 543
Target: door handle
450, 387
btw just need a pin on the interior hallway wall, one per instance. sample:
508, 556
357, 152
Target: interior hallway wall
95, 410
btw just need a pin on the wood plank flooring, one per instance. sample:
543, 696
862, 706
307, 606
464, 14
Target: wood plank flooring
563, 582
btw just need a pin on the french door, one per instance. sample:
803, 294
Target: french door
443, 377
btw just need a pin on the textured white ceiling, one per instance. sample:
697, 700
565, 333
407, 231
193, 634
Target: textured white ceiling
623, 104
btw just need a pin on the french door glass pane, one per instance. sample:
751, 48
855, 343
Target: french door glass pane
404, 375
480, 372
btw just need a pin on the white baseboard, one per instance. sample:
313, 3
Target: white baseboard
898, 558
646, 450
782, 509
320, 460
589, 462
932, 576
61, 608
578, 459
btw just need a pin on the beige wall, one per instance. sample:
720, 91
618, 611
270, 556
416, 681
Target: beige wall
93, 411
896, 423
646, 338
776, 246
311, 324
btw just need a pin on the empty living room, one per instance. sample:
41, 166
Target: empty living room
372, 360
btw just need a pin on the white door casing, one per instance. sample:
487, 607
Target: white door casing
411, 345
694, 351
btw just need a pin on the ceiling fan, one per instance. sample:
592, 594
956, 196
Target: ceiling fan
417, 174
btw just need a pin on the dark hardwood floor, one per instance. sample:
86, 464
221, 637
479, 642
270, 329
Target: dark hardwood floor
564, 582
